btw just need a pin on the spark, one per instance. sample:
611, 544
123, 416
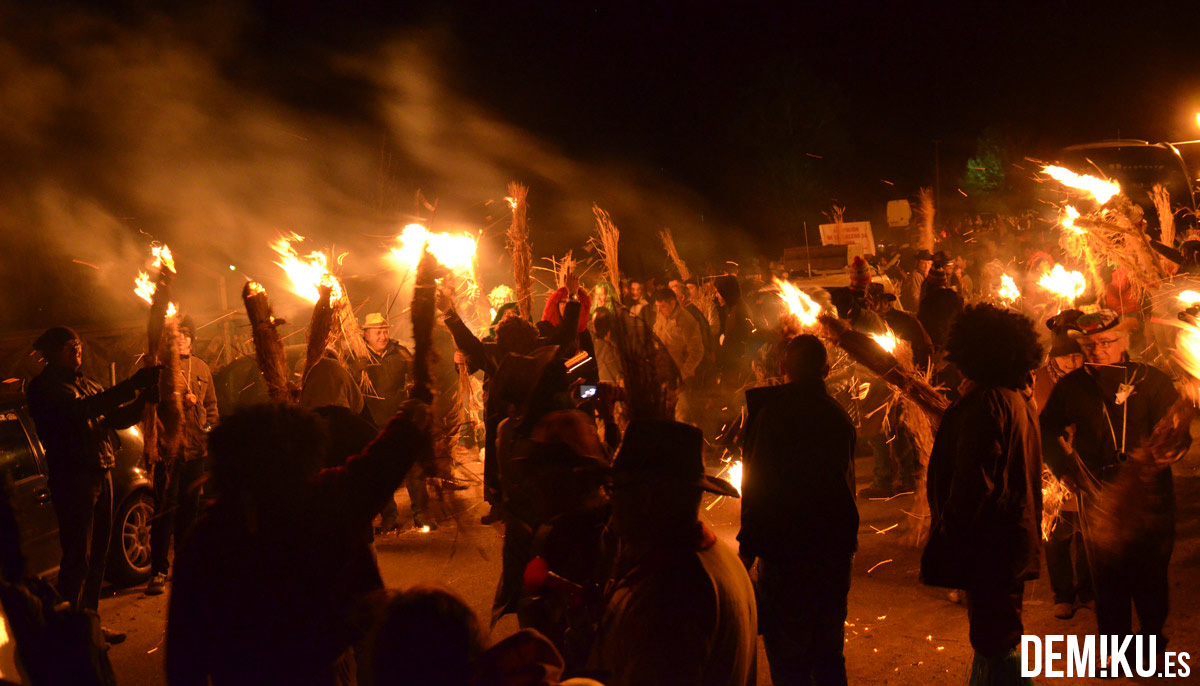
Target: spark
884, 531
879, 564
1099, 189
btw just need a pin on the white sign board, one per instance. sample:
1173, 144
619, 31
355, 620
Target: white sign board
849, 233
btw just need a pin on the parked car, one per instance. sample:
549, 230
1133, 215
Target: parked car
21, 453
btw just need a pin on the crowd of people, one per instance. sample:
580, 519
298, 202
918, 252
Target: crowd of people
600, 427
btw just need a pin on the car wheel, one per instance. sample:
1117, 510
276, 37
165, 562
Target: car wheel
129, 555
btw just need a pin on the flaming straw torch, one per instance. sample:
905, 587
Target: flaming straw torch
161, 348
268, 348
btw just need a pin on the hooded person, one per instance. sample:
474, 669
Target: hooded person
681, 609
732, 331
940, 304
984, 486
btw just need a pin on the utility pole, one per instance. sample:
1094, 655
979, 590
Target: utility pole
937, 174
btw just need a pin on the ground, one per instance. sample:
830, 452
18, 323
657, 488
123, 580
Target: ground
897, 631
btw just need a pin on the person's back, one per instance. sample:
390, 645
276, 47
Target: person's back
685, 615
264, 589
798, 493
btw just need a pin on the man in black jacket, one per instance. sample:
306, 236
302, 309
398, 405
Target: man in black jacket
1113, 405
985, 497
75, 420
799, 517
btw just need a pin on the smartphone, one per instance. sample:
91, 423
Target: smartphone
587, 391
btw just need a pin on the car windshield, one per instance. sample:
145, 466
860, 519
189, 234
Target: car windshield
1136, 168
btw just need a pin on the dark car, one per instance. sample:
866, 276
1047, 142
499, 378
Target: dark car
133, 503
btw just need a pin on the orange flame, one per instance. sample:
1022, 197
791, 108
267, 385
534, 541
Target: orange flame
1064, 284
733, 474
144, 287
1070, 214
1008, 289
1099, 189
1189, 297
306, 273
887, 341
802, 307
456, 252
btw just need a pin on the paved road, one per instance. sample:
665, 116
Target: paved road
898, 631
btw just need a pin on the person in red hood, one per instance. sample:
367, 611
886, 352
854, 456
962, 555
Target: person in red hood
558, 301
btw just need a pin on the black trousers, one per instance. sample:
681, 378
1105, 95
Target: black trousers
84, 505
802, 612
176, 504
1067, 561
994, 614
1134, 580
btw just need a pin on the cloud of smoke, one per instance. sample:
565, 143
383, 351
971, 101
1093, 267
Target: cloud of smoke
114, 134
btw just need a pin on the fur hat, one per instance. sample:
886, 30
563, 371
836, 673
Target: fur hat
860, 274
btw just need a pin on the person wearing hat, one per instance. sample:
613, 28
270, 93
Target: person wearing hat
1066, 556
910, 289
984, 485
1095, 417
177, 486
388, 366
799, 519
681, 608
75, 420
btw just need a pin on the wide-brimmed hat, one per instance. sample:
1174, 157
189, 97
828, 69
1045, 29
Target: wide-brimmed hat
1098, 322
924, 256
666, 452
941, 259
374, 320
879, 292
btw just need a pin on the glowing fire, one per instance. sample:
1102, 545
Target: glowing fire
1099, 189
512, 202
306, 273
1189, 297
1070, 214
456, 252
802, 307
1064, 284
1187, 348
1008, 289
733, 474
887, 341
256, 288
144, 287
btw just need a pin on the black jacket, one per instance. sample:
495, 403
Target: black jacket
388, 372
798, 474
75, 419
1082, 397
985, 492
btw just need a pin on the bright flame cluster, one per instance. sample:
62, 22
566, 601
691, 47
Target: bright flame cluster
1070, 214
306, 273
1064, 284
1187, 348
1099, 189
456, 252
734, 474
1189, 298
887, 341
802, 307
1008, 289
144, 287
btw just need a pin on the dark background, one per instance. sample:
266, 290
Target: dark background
216, 126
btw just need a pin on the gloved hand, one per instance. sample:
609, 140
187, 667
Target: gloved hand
146, 377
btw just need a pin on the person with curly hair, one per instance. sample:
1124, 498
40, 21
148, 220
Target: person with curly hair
984, 485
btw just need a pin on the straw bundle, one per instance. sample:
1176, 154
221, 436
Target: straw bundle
1116, 234
319, 328
424, 312
607, 241
347, 323
170, 395
1166, 218
155, 334
926, 212
668, 242
268, 348
519, 248
865, 351
564, 270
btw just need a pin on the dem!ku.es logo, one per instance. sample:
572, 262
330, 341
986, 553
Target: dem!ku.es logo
1099, 656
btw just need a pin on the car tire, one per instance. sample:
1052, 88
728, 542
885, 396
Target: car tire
129, 553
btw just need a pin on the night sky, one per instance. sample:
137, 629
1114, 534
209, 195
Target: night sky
217, 125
